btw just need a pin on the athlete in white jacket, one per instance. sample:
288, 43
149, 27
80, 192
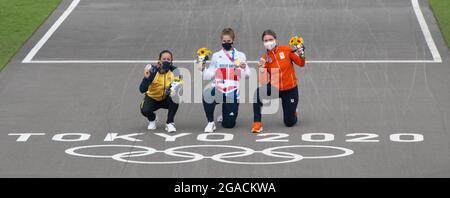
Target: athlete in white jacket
225, 69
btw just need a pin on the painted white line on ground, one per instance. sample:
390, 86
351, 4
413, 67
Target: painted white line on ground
426, 31
50, 32
417, 10
250, 62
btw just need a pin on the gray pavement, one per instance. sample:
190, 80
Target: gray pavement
342, 100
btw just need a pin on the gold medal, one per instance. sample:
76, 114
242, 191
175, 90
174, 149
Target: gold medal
237, 62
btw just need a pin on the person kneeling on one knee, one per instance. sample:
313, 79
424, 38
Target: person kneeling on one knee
276, 71
225, 69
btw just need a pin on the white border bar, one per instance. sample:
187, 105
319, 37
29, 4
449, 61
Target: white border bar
415, 4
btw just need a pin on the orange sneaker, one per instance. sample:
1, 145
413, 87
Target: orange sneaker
257, 127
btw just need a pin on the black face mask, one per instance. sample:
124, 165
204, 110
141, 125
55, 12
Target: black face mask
227, 46
165, 66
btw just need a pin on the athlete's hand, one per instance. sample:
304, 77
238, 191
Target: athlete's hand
200, 65
243, 65
262, 62
147, 71
300, 51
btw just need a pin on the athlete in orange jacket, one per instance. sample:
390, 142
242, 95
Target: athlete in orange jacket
277, 71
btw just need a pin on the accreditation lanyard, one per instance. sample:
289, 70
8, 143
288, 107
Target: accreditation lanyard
232, 60
228, 55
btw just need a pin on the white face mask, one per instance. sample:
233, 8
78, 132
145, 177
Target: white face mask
269, 45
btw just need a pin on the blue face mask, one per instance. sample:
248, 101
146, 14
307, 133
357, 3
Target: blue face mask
165, 66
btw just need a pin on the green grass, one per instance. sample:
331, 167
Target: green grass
18, 20
441, 9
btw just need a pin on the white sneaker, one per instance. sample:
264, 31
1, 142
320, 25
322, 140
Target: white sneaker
171, 127
210, 127
220, 119
152, 124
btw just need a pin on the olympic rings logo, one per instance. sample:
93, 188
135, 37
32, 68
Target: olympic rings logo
286, 157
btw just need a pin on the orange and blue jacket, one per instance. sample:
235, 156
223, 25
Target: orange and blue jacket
279, 69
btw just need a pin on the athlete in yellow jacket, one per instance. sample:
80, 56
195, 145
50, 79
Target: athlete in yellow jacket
159, 84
